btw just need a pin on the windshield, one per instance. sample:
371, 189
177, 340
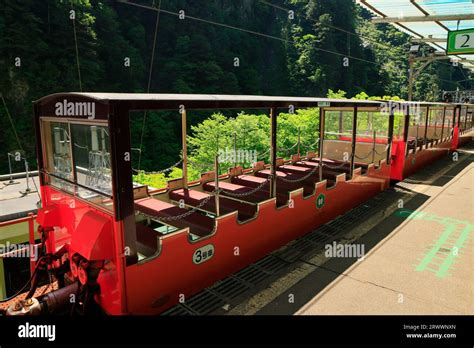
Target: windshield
78, 159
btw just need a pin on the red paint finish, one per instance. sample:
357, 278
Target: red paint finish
89, 231
153, 286
93, 238
414, 162
367, 139
48, 216
398, 159
455, 143
157, 283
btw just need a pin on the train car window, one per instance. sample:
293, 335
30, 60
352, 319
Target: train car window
365, 124
338, 134
59, 154
468, 123
435, 124
370, 122
91, 152
398, 125
448, 122
338, 124
417, 127
462, 119
371, 137
77, 158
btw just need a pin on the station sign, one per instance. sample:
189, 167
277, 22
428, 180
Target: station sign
460, 42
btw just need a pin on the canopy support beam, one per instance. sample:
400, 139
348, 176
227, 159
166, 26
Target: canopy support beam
185, 148
273, 150
321, 142
426, 125
405, 129
429, 18
391, 124
354, 136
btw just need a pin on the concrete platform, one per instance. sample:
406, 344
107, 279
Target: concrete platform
424, 266
13, 203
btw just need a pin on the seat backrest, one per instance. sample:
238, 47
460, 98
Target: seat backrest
208, 176
140, 192
236, 171
257, 166
175, 184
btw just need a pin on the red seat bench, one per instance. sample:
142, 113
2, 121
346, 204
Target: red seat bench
198, 224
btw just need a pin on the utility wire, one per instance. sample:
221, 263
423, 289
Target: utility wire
18, 140
77, 49
256, 33
245, 30
11, 122
149, 80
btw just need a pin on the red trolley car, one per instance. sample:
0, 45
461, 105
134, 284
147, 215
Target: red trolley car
136, 250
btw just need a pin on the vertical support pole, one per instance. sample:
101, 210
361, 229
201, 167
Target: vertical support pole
411, 61
216, 184
442, 123
340, 123
354, 135
235, 149
185, 147
299, 140
406, 126
416, 139
10, 168
465, 120
373, 146
321, 142
391, 125
273, 149
122, 186
102, 139
68, 143
27, 170
457, 112
124, 225
425, 142
31, 232
370, 121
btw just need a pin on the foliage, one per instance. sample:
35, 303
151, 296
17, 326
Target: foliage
301, 56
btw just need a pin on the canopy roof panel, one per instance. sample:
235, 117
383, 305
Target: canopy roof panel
424, 30
142, 101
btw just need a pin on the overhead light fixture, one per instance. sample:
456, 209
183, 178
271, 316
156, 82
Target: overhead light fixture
415, 48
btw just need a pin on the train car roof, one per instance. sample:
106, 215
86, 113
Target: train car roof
143, 101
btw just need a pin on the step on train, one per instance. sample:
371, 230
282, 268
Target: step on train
128, 248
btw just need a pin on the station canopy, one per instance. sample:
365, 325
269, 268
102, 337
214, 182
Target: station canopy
426, 20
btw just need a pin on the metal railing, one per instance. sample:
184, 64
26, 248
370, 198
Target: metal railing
30, 219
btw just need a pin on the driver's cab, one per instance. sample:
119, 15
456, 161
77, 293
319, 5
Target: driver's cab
77, 159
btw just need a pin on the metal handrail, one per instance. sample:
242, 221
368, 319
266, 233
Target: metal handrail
77, 184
